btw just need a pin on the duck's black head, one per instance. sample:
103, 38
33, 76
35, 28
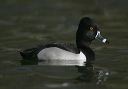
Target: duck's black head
87, 31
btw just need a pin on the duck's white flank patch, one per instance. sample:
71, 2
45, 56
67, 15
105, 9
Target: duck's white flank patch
54, 53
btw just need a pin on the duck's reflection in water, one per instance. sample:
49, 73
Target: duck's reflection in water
53, 62
29, 61
88, 73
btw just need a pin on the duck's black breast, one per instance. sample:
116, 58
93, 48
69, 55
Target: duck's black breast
90, 55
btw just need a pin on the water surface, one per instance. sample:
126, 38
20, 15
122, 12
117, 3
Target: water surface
27, 23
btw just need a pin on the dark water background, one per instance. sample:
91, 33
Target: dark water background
27, 23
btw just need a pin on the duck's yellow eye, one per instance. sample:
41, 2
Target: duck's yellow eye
91, 28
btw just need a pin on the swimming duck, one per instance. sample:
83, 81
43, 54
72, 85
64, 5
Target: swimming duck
87, 31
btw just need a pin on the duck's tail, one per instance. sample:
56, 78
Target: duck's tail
29, 54
26, 54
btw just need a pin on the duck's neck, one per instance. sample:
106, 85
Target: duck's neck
82, 41
85, 43
82, 44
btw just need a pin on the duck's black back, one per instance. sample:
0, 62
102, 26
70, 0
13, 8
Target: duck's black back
32, 52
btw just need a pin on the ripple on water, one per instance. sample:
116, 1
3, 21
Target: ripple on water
57, 85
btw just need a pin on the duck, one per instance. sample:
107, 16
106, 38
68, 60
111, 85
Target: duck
88, 30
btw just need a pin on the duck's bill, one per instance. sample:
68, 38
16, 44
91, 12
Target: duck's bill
100, 38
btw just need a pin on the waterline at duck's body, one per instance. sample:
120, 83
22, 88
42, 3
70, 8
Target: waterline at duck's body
57, 56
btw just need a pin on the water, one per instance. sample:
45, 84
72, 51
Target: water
27, 23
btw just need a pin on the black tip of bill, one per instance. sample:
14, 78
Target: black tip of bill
107, 42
